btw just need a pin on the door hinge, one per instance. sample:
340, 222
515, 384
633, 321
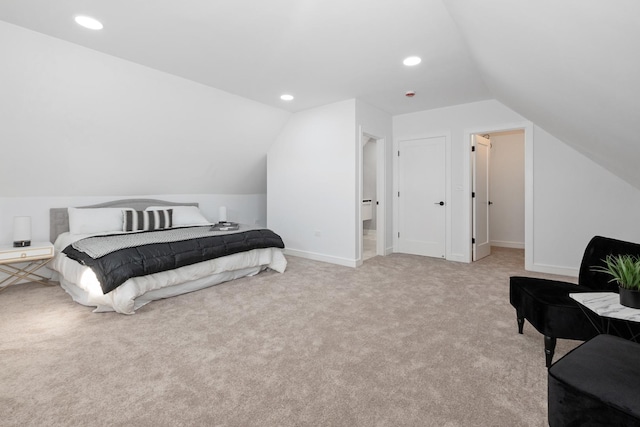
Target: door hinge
473, 240
473, 148
473, 194
398, 194
398, 234
398, 153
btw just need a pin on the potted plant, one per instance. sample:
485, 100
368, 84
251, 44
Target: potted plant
625, 270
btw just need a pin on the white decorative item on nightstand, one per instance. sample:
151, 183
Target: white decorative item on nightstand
21, 231
35, 257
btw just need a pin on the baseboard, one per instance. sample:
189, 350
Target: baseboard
504, 244
323, 258
552, 269
457, 258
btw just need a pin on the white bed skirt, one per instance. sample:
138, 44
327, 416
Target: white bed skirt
81, 283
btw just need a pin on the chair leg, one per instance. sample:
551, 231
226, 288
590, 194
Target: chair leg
520, 318
549, 349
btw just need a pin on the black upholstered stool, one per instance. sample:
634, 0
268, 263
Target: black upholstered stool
596, 384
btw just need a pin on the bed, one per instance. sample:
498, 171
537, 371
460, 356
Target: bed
120, 255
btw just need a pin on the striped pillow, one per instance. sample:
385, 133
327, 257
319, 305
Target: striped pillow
147, 220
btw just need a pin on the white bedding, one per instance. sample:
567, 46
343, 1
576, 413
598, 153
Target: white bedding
81, 283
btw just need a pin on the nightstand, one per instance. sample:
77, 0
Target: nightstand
35, 257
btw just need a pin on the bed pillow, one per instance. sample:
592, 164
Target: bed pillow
94, 220
184, 215
147, 220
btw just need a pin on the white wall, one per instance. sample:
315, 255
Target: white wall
311, 183
313, 180
75, 122
506, 189
576, 199
571, 198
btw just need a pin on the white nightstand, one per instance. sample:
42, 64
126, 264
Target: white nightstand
36, 256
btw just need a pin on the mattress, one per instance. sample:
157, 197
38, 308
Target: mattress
81, 283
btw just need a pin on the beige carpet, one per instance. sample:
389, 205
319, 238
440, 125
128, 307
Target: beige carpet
401, 341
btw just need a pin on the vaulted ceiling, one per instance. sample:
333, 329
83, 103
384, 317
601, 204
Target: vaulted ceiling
572, 67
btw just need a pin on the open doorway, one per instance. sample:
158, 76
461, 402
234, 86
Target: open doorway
498, 191
369, 198
372, 223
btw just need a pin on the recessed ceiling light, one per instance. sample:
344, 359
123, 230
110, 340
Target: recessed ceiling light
411, 61
89, 22
286, 97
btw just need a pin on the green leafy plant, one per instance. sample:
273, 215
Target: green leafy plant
624, 269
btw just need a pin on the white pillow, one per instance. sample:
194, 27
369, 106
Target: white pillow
94, 220
184, 215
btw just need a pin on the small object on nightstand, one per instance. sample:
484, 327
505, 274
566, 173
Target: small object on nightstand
21, 231
36, 256
225, 226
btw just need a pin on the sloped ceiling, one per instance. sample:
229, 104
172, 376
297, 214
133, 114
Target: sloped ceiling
572, 67
321, 51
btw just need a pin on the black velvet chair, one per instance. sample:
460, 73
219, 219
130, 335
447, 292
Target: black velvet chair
546, 303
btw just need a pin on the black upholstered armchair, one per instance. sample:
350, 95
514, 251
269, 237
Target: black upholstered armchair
546, 303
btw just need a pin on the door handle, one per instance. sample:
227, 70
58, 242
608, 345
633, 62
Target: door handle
439, 203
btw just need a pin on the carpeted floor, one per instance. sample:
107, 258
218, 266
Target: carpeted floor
401, 341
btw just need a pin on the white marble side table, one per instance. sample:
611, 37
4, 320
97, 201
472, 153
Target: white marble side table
607, 314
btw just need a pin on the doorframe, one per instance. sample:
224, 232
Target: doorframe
396, 179
474, 200
527, 127
381, 178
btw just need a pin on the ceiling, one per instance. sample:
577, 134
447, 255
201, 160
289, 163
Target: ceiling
571, 67
320, 51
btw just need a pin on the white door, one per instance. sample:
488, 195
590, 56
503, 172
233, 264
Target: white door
421, 197
481, 202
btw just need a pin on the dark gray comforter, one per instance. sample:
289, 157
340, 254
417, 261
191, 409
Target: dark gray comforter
117, 266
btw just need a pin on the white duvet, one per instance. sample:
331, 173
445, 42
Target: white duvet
81, 283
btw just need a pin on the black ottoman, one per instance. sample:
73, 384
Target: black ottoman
596, 384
